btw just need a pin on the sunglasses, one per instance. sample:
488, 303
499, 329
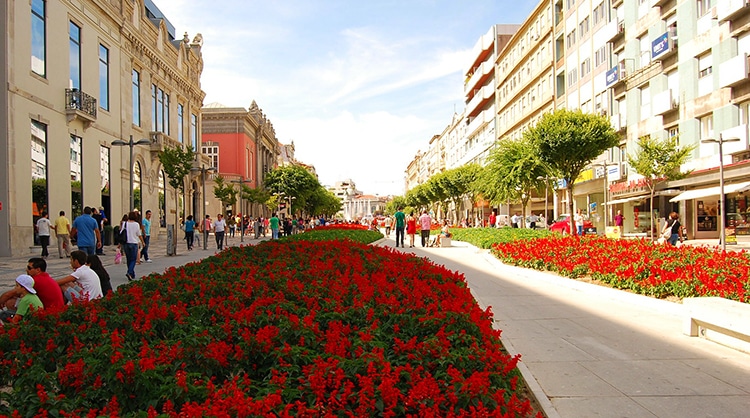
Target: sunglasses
29, 268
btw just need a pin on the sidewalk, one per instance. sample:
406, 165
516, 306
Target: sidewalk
592, 351
11, 267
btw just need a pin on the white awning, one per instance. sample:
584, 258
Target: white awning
629, 199
711, 191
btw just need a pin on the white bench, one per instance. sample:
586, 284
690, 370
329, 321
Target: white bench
445, 242
716, 318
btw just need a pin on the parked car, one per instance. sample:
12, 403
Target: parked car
561, 225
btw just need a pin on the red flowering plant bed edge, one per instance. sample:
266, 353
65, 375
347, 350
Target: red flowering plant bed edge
639, 266
282, 328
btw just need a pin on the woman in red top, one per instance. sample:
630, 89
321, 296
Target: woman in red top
411, 228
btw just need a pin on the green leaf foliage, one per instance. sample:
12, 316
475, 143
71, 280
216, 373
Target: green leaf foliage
177, 162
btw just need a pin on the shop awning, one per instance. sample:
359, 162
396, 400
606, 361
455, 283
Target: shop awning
629, 199
711, 191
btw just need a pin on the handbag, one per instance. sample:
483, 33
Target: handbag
123, 234
667, 233
118, 257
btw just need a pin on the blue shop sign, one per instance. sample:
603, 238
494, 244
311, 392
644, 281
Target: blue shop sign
612, 76
660, 45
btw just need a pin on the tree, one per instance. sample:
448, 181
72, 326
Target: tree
512, 172
568, 141
292, 181
177, 162
659, 161
225, 192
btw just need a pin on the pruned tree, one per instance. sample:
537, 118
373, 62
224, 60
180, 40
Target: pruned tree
659, 161
568, 141
176, 162
512, 172
225, 192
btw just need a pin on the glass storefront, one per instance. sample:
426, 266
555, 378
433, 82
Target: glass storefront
738, 214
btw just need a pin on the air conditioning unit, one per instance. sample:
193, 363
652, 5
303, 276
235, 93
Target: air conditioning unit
622, 70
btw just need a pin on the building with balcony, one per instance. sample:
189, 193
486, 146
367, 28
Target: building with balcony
79, 75
682, 72
480, 93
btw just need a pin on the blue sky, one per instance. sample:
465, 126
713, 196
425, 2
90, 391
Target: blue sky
359, 86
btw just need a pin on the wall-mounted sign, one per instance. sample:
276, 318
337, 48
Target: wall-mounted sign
660, 45
612, 76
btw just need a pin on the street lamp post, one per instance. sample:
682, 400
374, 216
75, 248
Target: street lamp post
203, 171
722, 214
130, 144
242, 212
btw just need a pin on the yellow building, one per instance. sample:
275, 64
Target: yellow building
80, 75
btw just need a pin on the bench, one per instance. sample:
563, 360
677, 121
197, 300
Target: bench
445, 242
716, 319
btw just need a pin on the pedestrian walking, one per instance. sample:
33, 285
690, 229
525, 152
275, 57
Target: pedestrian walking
62, 232
411, 228
206, 229
190, 226
87, 232
134, 237
219, 227
388, 223
43, 227
274, 223
425, 222
146, 236
400, 218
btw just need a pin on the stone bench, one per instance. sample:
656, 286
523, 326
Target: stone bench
445, 242
716, 319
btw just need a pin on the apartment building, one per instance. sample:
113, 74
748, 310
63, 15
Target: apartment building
80, 75
679, 69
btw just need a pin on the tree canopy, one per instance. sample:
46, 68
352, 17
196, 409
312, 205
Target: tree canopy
659, 161
568, 141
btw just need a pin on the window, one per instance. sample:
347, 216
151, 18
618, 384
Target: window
104, 169
572, 77
136, 98
75, 56
583, 27
39, 37
103, 77
194, 131
645, 93
599, 13
38, 167
160, 110
76, 175
571, 38
585, 67
212, 152
704, 6
707, 127
166, 114
705, 66
180, 123
600, 56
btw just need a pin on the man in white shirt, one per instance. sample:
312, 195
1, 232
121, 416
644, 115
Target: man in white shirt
219, 226
43, 226
83, 283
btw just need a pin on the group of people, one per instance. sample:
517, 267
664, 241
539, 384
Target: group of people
407, 225
36, 289
86, 228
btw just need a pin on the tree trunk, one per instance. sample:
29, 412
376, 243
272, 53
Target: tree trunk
573, 229
651, 207
176, 220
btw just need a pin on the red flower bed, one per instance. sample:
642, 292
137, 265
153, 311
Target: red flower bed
330, 328
637, 265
